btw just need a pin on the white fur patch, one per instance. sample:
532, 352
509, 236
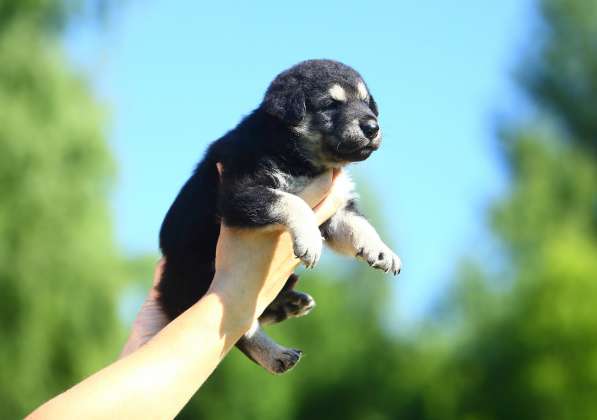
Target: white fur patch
363, 94
338, 93
351, 232
297, 216
293, 211
291, 184
344, 186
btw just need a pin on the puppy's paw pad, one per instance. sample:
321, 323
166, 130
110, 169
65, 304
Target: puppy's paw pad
286, 360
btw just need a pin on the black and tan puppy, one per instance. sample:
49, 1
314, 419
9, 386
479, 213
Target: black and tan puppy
315, 116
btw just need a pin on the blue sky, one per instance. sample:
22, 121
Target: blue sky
177, 75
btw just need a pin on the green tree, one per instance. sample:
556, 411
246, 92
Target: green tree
59, 268
529, 350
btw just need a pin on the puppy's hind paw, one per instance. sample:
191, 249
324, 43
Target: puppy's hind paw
298, 304
286, 360
288, 304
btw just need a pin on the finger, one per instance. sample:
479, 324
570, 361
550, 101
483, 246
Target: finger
157, 273
334, 200
326, 209
335, 173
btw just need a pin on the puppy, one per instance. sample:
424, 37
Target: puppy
315, 116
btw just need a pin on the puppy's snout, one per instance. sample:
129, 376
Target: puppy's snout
370, 128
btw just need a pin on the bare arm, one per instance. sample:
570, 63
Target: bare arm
158, 379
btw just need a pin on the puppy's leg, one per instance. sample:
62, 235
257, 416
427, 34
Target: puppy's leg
294, 213
244, 206
288, 304
261, 349
349, 232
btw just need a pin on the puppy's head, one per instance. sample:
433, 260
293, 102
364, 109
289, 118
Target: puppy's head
329, 108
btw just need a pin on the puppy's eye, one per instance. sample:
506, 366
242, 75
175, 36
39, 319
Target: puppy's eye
328, 105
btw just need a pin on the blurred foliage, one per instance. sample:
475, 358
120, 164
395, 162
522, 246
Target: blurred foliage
49, 17
520, 345
529, 350
562, 77
59, 269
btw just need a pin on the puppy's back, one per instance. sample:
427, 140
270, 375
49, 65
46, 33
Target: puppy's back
188, 240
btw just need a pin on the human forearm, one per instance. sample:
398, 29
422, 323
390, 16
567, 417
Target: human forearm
159, 378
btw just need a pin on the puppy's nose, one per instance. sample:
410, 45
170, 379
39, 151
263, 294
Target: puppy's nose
370, 128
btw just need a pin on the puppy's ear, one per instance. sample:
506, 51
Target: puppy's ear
373, 105
286, 104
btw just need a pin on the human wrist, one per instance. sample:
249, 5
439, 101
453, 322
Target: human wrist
238, 304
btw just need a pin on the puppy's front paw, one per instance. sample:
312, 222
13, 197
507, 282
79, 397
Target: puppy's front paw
379, 256
307, 246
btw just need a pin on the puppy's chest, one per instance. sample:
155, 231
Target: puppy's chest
344, 186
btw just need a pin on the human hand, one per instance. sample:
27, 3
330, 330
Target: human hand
257, 262
262, 260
